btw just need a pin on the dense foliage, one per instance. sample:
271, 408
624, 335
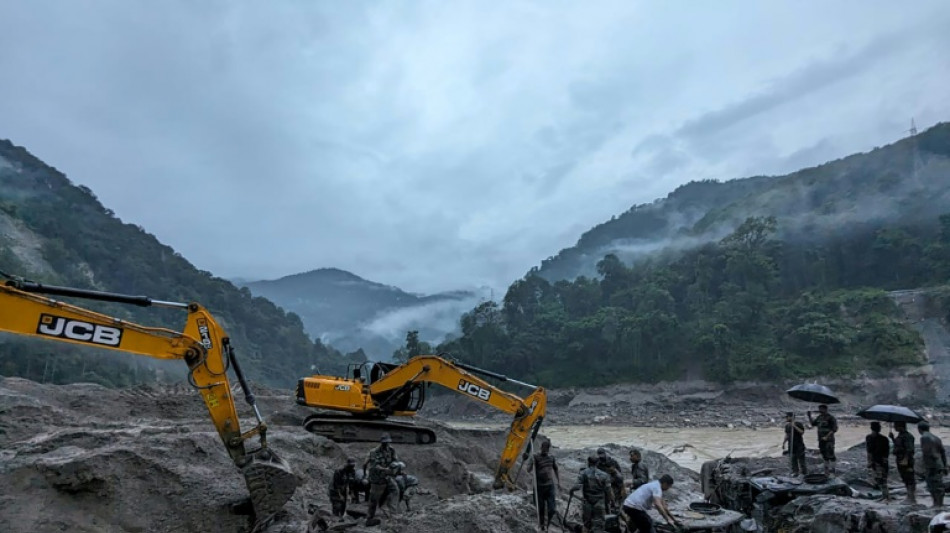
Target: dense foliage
746, 307
906, 181
82, 244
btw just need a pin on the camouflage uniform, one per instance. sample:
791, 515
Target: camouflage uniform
379, 476
596, 491
641, 475
343, 479
546, 477
878, 449
827, 427
935, 462
612, 468
796, 447
904, 457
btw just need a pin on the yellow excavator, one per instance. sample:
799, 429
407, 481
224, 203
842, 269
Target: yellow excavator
203, 345
400, 390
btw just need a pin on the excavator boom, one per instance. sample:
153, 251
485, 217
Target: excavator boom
400, 390
203, 345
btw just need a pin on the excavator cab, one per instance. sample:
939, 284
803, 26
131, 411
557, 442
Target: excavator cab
203, 345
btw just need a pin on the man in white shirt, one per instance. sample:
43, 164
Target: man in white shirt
641, 500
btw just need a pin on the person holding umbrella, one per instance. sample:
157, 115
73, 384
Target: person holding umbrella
827, 426
794, 432
904, 457
935, 462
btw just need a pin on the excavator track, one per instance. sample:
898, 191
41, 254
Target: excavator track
347, 428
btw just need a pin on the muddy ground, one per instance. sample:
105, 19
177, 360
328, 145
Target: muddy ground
82, 458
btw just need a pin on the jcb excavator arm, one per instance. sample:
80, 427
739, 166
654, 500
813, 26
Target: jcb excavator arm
528, 412
204, 346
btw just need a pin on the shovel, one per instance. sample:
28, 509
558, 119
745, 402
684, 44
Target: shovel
566, 508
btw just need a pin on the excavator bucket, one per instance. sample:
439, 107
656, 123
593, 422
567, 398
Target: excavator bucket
270, 482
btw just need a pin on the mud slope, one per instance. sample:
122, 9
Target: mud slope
82, 458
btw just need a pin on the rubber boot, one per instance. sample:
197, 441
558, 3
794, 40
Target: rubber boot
911, 494
827, 468
885, 492
938, 501
833, 470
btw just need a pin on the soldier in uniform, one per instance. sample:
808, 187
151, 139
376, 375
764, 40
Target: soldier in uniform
546, 475
878, 448
597, 495
611, 467
380, 475
794, 436
341, 483
827, 427
935, 462
641, 474
904, 457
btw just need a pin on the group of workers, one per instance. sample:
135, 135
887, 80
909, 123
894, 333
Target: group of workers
879, 450
384, 484
602, 489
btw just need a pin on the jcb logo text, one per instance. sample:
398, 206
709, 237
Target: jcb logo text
77, 330
474, 390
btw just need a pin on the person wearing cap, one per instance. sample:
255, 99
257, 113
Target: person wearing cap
640, 501
611, 467
794, 438
640, 472
379, 461
878, 448
827, 426
547, 479
595, 495
935, 462
343, 479
904, 457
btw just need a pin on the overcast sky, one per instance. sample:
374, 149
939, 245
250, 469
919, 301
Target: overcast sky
436, 145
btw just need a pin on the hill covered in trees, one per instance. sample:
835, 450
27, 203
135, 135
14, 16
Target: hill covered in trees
59, 234
902, 182
751, 279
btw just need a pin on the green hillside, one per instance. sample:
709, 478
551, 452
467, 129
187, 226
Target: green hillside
778, 277
57, 233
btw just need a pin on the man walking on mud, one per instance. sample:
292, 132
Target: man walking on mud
611, 467
904, 457
794, 438
379, 462
596, 495
935, 462
546, 475
827, 426
878, 448
340, 486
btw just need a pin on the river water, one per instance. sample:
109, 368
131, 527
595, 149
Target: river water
691, 447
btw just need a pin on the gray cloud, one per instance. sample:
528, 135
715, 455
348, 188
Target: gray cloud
436, 145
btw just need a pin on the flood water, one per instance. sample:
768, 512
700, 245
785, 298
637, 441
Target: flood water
691, 447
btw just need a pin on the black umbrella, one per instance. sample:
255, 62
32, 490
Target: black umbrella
890, 413
814, 393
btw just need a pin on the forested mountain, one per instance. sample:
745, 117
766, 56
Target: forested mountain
57, 233
354, 313
905, 181
752, 279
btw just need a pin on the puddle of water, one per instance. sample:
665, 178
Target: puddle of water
691, 447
